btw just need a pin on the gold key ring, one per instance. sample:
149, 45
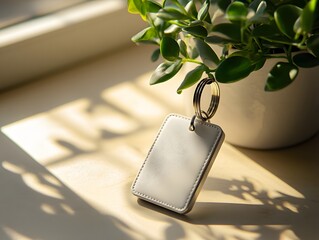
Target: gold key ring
199, 113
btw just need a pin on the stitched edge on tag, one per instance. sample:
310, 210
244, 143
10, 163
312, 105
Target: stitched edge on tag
198, 176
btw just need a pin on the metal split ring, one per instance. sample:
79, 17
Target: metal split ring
199, 113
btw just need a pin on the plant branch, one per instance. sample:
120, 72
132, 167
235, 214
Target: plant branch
274, 56
191, 60
288, 53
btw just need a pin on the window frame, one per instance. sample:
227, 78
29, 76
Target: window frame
44, 45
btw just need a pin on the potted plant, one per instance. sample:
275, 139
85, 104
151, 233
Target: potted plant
281, 36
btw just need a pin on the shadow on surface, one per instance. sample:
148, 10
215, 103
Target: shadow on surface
298, 166
37, 205
45, 208
34, 204
275, 214
269, 219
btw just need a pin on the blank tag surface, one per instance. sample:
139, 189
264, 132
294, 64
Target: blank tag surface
178, 163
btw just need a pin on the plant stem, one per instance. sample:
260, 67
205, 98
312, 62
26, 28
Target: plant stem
300, 45
288, 53
256, 40
191, 60
273, 56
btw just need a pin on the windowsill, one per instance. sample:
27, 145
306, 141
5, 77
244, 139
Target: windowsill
73, 142
43, 45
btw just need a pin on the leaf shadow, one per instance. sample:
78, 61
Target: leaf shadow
37, 205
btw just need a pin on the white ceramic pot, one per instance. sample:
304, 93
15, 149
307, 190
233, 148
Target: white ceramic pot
257, 119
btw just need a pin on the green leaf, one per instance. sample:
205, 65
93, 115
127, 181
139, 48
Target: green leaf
146, 35
308, 16
305, 60
191, 9
285, 17
260, 63
183, 47
257, 60
218, 40
184, 2
142, 7
206, 53
191, 78
137, 7
152, 6
271, 33
195, 23
172, 30
313, 45
259, 16
197, 31
159, 24
228, 31
181, 24
236, 11
280, 76
255, 5
233, 69
172, 14
173, 3
165, 71
261, 8
169, 48
194, 52
203, 12
132, 8
223, 4
155, 55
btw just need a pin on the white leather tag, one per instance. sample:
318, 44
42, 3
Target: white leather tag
178, 163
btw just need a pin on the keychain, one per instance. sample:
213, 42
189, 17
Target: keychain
181, 156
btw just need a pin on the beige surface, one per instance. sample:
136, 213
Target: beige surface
72, 143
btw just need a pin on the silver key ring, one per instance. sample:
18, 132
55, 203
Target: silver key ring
199, 113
